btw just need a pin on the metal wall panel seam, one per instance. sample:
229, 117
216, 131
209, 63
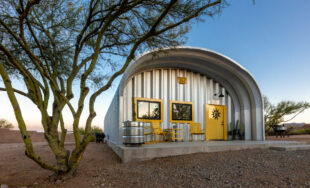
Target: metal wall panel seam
177, 86
166, 95
216, 96
152, 85
201, 98
194, 96
147, 84
142, 85
129, 102
125, 104
211, 91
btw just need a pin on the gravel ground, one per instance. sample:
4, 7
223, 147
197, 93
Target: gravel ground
100, 167
248, 168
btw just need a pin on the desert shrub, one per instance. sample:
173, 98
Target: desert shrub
81, 131
299, 131
269, 132
94, 129
5, 124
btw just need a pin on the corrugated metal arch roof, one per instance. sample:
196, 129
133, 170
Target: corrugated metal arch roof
130, 68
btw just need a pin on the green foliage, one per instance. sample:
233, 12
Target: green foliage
274, 114
81, 131
94, 129
5, 124
300, 131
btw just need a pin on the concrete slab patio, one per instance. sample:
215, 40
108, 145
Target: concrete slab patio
150, 151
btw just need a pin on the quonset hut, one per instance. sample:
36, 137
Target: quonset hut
208, 85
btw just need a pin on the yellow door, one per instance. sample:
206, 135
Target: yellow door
216, 128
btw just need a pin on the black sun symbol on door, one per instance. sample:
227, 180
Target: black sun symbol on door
216, 114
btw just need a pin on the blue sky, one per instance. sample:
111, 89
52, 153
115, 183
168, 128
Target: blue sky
271, 39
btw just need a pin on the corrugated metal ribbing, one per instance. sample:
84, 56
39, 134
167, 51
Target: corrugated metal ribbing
156, 78
181, 86
147, 84
215, 98
125, 96
138, 85
172, 84
224, 98
163, 84
165, 94
205, 95
201, 100
113, 118
211, 88
129, 98
187, 86
228, 104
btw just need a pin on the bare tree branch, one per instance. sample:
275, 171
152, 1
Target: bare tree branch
17, 91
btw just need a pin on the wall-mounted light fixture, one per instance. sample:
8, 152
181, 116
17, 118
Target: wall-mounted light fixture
219, 94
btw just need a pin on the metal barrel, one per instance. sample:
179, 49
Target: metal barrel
133, 133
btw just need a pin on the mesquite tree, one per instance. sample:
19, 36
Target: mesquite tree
274, 114
52, 45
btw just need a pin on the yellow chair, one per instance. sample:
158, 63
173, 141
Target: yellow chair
157, 130
195, 129
178, 134
148, 131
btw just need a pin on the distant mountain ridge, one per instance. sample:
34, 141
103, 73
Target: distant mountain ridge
294, 124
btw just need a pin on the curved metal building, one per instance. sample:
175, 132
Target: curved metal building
180, 76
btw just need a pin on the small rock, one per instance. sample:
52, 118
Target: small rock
288, 183
4, 186
208, 178
58, 182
